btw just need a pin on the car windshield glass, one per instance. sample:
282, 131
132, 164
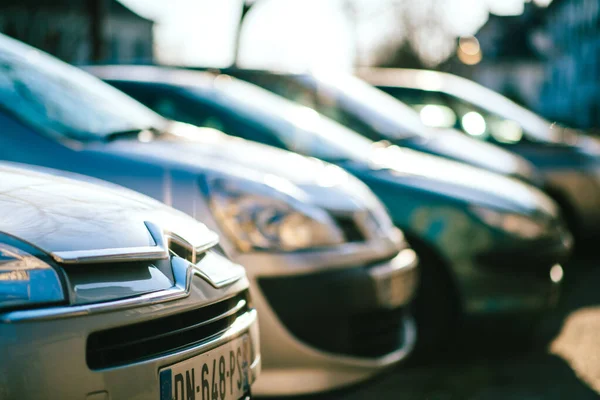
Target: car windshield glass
441, 110
497, 106
301, 129
390, 117
63, 100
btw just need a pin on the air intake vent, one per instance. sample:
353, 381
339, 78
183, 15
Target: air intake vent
183, 251
146, 340
349, 227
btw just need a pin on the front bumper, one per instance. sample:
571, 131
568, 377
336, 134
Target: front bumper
517, 279
331, 327
43, 355
579, 190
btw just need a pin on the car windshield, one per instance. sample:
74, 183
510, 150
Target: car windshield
390, 117
63, 100
300, 128
497, 106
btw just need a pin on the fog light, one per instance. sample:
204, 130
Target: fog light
556, 273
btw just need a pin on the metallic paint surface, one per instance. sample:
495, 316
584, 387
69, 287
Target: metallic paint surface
34, 342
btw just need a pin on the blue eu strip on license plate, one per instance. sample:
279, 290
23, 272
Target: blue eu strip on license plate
219, 374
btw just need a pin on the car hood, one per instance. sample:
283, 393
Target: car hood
205, 151
459, 181
457, 146
59, 214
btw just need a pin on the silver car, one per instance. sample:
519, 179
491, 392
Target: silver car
330, 275
105, 293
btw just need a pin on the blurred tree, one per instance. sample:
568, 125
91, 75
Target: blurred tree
246, 6
399, 55
97, 11
429, 31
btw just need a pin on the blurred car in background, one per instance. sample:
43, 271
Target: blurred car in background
317, 244
379, 117
131, 296
569, 160
488, 244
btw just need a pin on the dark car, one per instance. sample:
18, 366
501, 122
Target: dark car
569, 160
489, 244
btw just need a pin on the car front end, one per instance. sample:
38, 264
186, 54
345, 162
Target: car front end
331, 276
107, 294
504, 242
521, 267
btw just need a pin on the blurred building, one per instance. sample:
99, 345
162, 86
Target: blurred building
571, 35
511, 63
65, 28
548, 59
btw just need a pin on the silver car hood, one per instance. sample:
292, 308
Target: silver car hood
202, 150
61, 215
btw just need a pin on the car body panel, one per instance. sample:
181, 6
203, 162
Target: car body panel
55, 214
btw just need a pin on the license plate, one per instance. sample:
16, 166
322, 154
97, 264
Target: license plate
219, 374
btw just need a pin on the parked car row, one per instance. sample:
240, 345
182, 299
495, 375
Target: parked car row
568, 160
236, 208
470, 226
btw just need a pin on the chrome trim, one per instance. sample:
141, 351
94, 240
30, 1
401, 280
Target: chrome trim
157, 234
206, 246
183, 271
216, 285
77, 311
110, 255
143, 253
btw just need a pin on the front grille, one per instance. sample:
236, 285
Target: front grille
376, 333
349, 227
372, 334
150, 339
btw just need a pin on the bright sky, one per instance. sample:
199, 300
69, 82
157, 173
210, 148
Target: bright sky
302, 34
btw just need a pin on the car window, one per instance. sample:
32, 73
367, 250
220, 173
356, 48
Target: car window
57, 98
380, 111
433, 108
442, 110
333, 103
180, 104
299, 128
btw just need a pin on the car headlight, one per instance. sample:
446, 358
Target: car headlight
26, 280
260, 216
515, 224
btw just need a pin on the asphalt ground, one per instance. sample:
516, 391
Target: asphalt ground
488, 361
